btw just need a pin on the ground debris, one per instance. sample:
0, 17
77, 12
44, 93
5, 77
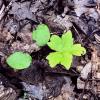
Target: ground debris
83, 6
42, 92
66, 91
90, 75
24, 41
18, 46
6, 91
18, 18
5, 35
21, 10
86, 70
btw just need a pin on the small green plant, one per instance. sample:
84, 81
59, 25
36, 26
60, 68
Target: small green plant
64, 50
41, 35
19, 60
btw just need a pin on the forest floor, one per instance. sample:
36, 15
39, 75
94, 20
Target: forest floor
18, 18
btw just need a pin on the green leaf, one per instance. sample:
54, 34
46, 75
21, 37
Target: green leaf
67, 60
65, 49
78, 50
19, 60
54, 59
41, 35
55, 43
67, 40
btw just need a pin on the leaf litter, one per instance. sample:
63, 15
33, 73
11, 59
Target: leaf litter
17, 20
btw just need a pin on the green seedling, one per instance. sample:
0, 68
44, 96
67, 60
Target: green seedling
41, 35
64, 50
19, 60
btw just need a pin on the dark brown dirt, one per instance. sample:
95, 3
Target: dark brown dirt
18, 18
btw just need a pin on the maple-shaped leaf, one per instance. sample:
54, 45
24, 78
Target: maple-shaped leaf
65, 49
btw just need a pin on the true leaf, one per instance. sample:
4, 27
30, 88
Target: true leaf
78, 50
66, 61
19, 60
64, 50
55, 43
67, 38
54, 59
41, 35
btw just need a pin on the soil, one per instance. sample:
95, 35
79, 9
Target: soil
18, 18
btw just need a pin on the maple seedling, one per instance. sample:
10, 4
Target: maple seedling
19, 60
64, 49
41, 35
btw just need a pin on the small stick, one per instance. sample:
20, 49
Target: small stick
3, 11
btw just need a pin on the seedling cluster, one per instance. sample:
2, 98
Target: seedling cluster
64, 49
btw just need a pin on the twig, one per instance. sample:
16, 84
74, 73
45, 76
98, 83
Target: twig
80, 40
4, 11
